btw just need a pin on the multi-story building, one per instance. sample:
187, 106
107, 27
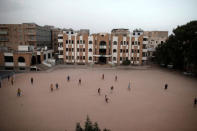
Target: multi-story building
27, 43
112, 48
154, 39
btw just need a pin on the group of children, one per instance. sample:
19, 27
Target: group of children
19, 91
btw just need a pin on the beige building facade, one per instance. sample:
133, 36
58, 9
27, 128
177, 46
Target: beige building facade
104, 48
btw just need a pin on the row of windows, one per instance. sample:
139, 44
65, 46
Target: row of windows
135, 51
78, 42
78, 57
78, 49
126, 58
135, 43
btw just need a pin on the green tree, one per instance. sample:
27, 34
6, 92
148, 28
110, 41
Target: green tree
89, 126
180, 49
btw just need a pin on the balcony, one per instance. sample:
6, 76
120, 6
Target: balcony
9, 63
60, 40
4, 39
60, 56
144, 58
3, 32
102, 46
60, 48
145, 42
144, 50
21, 64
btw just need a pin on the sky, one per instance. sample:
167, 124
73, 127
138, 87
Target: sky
100, 15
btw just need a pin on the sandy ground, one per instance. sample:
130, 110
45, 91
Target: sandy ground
146, 107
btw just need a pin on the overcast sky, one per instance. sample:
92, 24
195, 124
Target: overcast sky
100, 15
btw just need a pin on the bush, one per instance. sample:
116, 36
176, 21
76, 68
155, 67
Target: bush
89, 126
126, 62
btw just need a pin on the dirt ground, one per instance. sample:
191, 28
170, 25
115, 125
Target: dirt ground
146, 107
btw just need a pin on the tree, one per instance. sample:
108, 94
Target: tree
89, 126
180, 49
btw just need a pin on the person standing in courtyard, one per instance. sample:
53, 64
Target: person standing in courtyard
57, 86
106, 99
103, 76
99, 91
19, 92
129, 87
12, 80
32, 80
166, 86
80, 81
112, 88
51, 87
195, 101
116, 78
68, 78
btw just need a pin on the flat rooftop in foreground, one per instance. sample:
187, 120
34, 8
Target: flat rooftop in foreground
146, 107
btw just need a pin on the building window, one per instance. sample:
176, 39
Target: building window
77, 49
126, 50
135, 42
90, 50
71, 32
114, 50
66, 57
120, 58
69, 49
132, 42
72, 41
114, 58
138, 33
144, 46
143, 54
80, 41
138, 58
66, 49
124, 42
132, 50
77, 41
132, 58
77, 57
83, 41
83, 49
127, 43
66, 41
138, 43
72, 49
73, 57
120, 50
90, 58
83, 57
121, 42
138, 51
133, 33
90, 42
115, 42
145, 39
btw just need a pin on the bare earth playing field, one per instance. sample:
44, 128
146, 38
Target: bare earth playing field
146, 107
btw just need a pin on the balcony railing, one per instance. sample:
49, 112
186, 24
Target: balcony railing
3, 32
102, 46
